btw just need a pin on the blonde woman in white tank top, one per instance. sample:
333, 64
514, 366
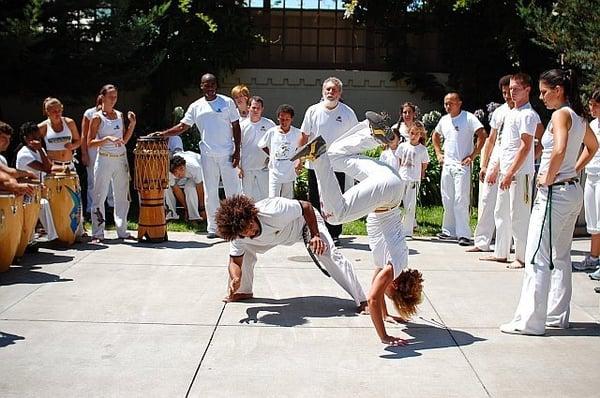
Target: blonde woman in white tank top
59, 133
546, 292
107, 133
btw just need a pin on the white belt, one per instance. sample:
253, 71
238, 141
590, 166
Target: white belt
111, 155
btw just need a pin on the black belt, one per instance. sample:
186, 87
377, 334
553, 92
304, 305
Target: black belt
572, 181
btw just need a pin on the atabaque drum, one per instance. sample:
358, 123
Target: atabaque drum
11, 221
151, 180
31, 212
64, 197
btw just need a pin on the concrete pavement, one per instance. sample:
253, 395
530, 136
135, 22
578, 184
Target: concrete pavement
142, 320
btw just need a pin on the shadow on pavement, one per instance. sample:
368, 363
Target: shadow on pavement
7, 339
591, 329
294, 311
429, 338
188, 244
42, 257
28, 276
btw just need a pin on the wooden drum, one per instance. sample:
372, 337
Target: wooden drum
151, 180
64, 197
31, 212
11, 221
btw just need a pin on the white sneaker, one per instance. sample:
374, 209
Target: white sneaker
595, 275
587, 264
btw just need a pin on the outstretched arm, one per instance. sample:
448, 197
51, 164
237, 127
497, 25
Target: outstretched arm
235, 274
316, 243
377, 303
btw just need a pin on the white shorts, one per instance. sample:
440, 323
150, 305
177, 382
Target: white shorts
591, 201
386, 240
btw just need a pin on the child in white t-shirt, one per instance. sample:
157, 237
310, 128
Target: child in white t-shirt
280, 143
413, 160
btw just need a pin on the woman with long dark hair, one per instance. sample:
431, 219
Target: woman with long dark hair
547, 285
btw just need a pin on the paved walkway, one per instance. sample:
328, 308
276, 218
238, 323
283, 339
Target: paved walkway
137, 320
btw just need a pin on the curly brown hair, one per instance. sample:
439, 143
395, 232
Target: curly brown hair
408, 292
234, 216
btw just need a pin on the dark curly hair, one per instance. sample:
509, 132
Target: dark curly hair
234, 215
408, 292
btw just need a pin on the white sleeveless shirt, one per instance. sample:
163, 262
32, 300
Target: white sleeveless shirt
574, 140
113, 128
56, 140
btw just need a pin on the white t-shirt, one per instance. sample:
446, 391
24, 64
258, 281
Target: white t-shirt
458, 133
175, 144
213, 120
3, 160
411, 158
388, 157
497, 122
281, 148
593, 167
252, 156
281, 222
574, 140
193, 169
25, 156
518, 121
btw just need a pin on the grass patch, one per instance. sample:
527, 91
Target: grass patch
429, 221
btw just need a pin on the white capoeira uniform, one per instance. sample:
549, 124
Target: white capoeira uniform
193, 177
379, 192
410, 158
486, 203
591, 196
25, 156
253, 160
175, 144
546, 292
403, 131
458, 133
3, 160
213, 120
92, 153
282, 222
111, 167
282, 147
513, 206
56, 141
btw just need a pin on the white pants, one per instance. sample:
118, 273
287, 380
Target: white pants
255, 184
283, 189
107, 170
591, 200
456, 193
512, 212
338, 266
379, 186
90, 183
386, 240
191, 201
46, 220
214, 167
486, 225
546, 294
409, 202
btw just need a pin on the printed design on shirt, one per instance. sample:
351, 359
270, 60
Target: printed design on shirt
59, 140
263, 128
117, 127
456, 127
338, 119
282, 152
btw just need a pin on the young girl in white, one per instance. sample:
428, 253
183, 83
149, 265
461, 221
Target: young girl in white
413, 160
107, 132
280, 143
591, 196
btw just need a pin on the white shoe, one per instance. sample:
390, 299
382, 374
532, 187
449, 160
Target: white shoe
587, 264
595, 275
510, 328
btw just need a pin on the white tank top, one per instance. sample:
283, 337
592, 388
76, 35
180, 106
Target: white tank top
113, 128
56, 140
574, 140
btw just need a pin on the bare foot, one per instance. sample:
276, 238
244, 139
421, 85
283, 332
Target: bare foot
515, 265
363, 308
493, 258
394, 341
238, 297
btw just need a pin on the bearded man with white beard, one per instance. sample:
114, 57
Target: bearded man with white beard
328, 118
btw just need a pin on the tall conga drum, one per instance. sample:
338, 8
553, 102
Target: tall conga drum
11, 220
151, 180
31, 212
64, 197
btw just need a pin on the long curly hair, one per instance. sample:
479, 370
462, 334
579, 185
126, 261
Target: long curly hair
408, 292
234, 215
